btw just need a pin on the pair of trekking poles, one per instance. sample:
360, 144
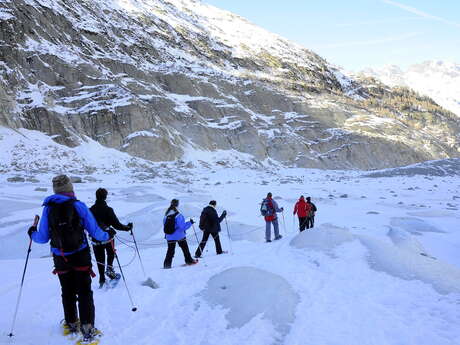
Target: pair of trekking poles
228, 234
149, 282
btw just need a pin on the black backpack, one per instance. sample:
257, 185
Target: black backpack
203, 220
65, 226
170, 223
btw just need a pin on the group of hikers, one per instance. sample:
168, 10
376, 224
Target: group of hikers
64, 219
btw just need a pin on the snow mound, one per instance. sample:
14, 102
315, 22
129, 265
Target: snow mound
433, 213
248, 292
413, 225
404, 264
323, 238
405, 241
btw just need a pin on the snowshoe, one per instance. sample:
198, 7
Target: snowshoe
278, 238
194, 262
69, 329
113, 282
90, 336
223, 252
110, 272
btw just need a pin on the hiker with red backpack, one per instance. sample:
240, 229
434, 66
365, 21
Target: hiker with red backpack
210, 225
302, 209
175, 227
63, 222
311, 216
268, 209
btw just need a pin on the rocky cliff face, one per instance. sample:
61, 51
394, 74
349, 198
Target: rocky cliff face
161, 78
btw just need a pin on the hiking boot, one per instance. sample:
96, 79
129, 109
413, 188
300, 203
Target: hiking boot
110, 272
197, 256
89, 333
70, 327
192, 263
167, 267
101, 284
278, 237
267, 241
223, 252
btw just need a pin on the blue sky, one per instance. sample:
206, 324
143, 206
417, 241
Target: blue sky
361, 33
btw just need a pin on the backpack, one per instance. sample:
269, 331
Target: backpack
170, 223
266, 208
203, 220
66, 229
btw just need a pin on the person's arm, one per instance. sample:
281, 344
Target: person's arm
275, 206
295, 208
89, 222
43, 233
314, 207
181, 223
114, 222
222, 216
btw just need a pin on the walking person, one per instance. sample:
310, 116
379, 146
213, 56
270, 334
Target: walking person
63, 222
210, 225
175, 227
268, 209
302, 209
106, 219
311, 217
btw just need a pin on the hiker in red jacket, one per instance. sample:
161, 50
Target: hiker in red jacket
302, 209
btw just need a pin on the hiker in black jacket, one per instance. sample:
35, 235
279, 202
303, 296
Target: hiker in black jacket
311, 217
106, 218
210, 224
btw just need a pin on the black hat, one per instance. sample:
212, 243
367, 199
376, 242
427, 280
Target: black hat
101, 194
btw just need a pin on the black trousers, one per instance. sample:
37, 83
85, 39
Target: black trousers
172, 249
310, 222
74, 274
99, 253
302, 223
215, 236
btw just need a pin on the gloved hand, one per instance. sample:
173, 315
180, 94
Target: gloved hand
130, 226
31, 230
111, 233
282, 209
192, 221
224, 214
293, 213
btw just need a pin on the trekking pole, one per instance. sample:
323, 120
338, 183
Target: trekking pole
134, 308
229, 238
137, 250
29, 249
293, 223
198, 243
284, 223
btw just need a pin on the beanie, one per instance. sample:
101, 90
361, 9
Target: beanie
62, 184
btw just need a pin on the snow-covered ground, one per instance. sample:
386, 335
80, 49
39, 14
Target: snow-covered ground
381, 266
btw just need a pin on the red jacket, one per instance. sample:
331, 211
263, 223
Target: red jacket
302, 208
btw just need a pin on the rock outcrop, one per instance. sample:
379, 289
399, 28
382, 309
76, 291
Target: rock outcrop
157, 78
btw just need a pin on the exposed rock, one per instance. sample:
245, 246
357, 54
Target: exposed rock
41, 189
76, 179
16, 179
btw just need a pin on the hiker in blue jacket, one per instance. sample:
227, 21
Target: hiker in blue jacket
63, 222
179, 235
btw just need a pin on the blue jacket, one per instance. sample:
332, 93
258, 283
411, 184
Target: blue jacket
87, 219
180, 227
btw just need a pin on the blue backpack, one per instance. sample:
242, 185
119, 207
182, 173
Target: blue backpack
266, 208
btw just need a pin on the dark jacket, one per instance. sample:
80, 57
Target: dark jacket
105, 216
313, 208
209, 220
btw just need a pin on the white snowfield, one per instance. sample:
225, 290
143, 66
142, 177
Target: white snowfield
381, 266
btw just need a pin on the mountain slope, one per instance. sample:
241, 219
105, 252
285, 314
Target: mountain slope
156, 78
439, 80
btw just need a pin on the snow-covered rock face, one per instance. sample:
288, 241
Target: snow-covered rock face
248, 292
324, 238
439, 80
161, 78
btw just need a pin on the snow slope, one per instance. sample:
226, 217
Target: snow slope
381, 266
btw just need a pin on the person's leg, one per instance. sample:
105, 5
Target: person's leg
99, 254
308, 223
217, 242
169, 254
276, 229
110, 254
268, 230
69, 296
301, 223
312, 221
187, 256
199, 250
85, 297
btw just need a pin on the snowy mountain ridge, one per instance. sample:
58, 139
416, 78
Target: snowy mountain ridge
154, 78
439, 80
